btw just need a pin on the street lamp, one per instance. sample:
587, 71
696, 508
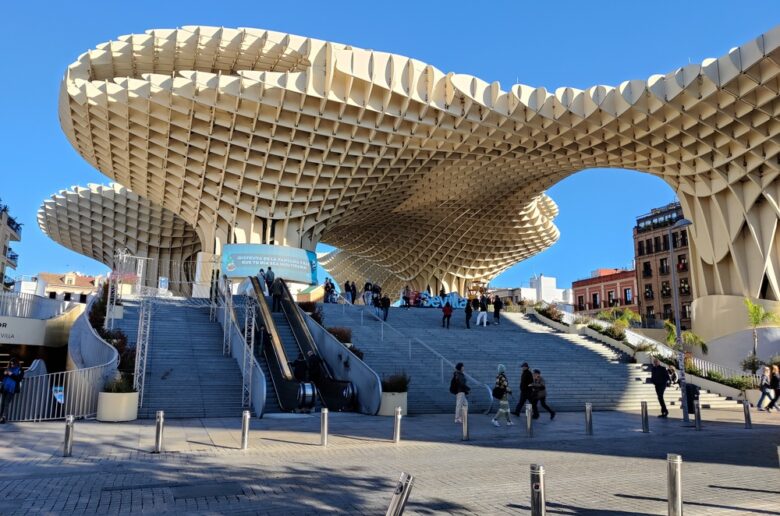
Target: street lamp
680, 224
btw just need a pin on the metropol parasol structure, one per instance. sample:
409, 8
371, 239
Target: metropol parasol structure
245, 136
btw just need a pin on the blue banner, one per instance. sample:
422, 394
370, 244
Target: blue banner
289, 263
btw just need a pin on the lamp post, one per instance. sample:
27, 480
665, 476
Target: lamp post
680, 224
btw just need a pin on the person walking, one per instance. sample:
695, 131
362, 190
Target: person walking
446, 315
774, 384
763, 386
673, 379
483, 309
348, 292
276, 295
261, 279
497, 306
269, 279
501, 392
10, 386
460, 388
659, 377
468, 311
367, 293
526, 391
407, 297
540, 395
353, 289
385, 304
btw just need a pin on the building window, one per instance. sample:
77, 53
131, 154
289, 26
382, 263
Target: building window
641, 248
648, 246
657, 244
648, 292
650, 312
665, 242
628, 296
82, 298
66, 297
611, 298
684, 238
52, 295
675, 240
663, 268
647, 271
686, 311
69, 281
682, 263
580, 302
685, 287
596, 301
666, 289
668, 315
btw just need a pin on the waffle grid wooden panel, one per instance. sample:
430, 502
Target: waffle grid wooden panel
257, 136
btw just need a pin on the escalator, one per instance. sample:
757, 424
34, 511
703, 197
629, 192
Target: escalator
291, 394
336, 395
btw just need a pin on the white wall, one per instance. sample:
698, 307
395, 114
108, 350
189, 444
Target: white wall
730, 350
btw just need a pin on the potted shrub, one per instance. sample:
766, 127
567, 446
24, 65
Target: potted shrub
394, 390
580, 323
118, 401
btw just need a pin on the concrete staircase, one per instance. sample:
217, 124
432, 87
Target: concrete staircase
577, 369
186, 374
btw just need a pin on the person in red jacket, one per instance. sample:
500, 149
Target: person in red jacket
447, 313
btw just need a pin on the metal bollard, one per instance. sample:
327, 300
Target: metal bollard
400, 495
529, 421
674, 484
589, 418
324, 427
158, 435
746, 409
538, 503
67, 447
645, 420
245, 430
697, 414
397, 426
464, 416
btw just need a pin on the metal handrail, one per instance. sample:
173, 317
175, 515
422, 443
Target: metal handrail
24, 305
276, 342
297, 323
441, 358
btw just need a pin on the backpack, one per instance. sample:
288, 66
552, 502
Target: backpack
454, 385
498, 392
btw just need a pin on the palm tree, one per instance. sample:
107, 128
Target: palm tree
689, 339
758, 316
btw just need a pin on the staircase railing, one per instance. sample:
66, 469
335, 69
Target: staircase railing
251, 372
20, 304
56, 395
437, 357
142, 347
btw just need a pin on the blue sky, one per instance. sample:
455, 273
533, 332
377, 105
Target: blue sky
548, 44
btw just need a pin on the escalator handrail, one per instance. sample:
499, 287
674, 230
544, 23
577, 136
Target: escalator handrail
297, 323
270, 328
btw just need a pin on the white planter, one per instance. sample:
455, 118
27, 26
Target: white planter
578, 328
643, 357
117, 406
609, 340
116, 312
549, 322
391, 400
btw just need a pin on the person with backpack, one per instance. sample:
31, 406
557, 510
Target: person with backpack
269, 279
497, 306
483, 309
9, 386
540, 395
659, 377
446, 315
501, 392
526, 392
460, 389
276, 295
468, 311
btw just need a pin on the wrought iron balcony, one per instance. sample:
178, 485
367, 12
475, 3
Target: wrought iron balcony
685, 291
667, 292
647, 273
12, 257
649, 294
682, 266
663, 270
15, 226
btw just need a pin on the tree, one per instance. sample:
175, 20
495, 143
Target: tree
758, 316
689, 339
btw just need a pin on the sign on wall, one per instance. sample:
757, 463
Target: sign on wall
452, 298
17, 330
289, 263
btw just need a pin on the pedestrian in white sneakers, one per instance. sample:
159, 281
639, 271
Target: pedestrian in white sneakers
460, 389
483, 309
501, 392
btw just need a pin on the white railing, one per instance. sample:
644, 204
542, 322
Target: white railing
428, 354
233, 339
142, 348
56, 395
30, 306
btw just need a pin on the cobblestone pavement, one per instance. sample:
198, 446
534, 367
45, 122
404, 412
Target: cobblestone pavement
617, 471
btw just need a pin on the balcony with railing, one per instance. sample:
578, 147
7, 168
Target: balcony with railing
12, 258
682, 267
685, 291
663, 270
666, 292
8, 281
647, 273
649, 294
613, 302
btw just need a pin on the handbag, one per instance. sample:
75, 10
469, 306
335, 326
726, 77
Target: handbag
498, 392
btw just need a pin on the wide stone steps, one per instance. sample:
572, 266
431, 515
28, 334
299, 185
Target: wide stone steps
577, 369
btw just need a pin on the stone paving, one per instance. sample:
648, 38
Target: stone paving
617, 471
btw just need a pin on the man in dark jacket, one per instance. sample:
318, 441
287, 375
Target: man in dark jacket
659, 376
9, 386
468, 311
300, 368
269, 278
526, 380
314, 364
276, 294
497, 306
385, 303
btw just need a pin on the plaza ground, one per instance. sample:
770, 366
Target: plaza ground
618, 470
